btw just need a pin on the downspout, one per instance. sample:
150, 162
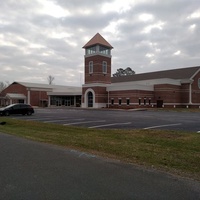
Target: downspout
108, 99
190, 91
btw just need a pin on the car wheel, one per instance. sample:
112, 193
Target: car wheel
7, 113
29, 113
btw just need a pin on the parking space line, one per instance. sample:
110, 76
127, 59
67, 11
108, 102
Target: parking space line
160, 126
59, 120
83, 122
38, 119
104, 125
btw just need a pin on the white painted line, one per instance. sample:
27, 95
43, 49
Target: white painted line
104, 125
166, 125
59, 120
38, 119
83, 122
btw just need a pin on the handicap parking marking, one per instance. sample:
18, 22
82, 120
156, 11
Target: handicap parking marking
106, 125
160, 126
85, 122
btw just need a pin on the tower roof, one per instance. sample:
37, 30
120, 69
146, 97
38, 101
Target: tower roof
97, 39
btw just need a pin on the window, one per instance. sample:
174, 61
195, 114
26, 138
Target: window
120, 102
104, 50
145, 101
91, 50
149, 101
112, 101
90, 67
104, 67
139, 101
127, 102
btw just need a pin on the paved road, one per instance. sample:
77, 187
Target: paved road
36, 171
109, 119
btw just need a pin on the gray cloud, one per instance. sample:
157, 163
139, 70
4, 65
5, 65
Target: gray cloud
43, 37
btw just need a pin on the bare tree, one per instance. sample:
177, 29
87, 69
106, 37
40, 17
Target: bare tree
3, 85
50, 79
124, 72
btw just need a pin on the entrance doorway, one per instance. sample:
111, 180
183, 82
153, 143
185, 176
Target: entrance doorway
90, 99
159, 103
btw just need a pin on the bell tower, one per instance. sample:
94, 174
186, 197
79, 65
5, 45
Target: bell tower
97, 72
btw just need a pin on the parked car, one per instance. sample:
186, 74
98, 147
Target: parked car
19, 108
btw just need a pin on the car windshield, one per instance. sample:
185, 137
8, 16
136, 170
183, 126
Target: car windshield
10, 106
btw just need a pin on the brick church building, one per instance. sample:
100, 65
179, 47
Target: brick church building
169, 88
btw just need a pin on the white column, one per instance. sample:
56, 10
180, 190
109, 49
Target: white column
190, 93
28, 97
49, 100
108, 98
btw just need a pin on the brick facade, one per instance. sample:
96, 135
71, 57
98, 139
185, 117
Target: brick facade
36, 97
170, 88
97, 76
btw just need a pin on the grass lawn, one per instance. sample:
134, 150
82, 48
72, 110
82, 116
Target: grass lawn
172, 151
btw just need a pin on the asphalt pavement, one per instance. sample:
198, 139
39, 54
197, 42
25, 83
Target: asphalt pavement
36, 171
117, 119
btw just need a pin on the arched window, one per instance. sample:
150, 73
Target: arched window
104, 67
90, 67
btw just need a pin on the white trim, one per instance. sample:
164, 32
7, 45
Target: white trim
95, 85
84, 105
195, 73
147, 85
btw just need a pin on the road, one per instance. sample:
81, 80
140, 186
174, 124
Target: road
118, 119
36, 171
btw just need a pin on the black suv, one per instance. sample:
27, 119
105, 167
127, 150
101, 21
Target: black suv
19, 108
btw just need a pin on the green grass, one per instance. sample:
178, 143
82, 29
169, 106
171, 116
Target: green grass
172, 151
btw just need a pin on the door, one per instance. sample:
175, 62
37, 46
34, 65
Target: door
159, 103
90, 99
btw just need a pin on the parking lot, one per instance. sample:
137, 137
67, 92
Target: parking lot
117, 119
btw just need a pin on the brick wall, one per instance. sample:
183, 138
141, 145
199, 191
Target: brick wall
196, 89
131, 99
168, 93
100, 94
97, 76
35, 96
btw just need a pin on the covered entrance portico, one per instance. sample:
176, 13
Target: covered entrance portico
11, 98
64, 99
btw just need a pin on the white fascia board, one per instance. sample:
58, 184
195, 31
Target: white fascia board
64, 93
96, 85
70, 90
40, 89
186, 81
142, 85
162, 81
130, 87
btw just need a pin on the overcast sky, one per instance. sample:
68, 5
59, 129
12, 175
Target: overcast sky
39, 38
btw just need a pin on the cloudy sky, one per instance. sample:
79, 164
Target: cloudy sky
39, 38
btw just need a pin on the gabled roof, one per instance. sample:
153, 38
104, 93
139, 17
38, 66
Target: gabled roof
97, 39
181, 73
